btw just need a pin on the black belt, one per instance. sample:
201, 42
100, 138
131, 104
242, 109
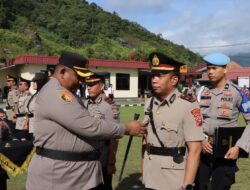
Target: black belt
8, 107
166, 151
68, 156
20, 115
30, 115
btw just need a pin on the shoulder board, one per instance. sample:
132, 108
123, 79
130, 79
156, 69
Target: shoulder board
188, 98
234, 85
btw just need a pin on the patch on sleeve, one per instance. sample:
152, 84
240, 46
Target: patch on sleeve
197, 116
66, 96
245, 103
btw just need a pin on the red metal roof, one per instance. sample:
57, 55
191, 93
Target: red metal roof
33, 59
118, 63
234, 74
53, 60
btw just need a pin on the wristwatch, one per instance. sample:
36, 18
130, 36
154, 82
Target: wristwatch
188, 187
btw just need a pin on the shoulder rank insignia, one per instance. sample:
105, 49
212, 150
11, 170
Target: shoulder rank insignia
66, 96
197, 116
188, 98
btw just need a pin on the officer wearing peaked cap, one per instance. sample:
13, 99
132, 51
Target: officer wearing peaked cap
174, 128
220, 107
22, 120
98, 107
66, 135
12, 98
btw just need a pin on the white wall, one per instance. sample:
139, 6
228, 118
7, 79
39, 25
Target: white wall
26, 71
132, 92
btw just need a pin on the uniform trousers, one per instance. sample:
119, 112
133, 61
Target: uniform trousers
3, 179
221, 170
107, 179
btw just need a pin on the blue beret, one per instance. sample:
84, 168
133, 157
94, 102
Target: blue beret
218, 59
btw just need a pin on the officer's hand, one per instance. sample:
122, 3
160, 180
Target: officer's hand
135, 128
111, 169
233, 153
207, 147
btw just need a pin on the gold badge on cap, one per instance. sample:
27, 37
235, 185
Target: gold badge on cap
155, 61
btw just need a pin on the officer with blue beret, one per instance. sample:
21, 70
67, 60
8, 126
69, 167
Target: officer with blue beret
220, 107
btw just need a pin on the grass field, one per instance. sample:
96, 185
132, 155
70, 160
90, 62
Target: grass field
132, 170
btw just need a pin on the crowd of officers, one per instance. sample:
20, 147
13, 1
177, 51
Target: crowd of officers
76, 141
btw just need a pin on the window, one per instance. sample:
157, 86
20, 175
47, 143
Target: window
122, 81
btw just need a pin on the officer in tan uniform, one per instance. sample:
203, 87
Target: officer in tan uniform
39, 80
174, 129
12, 100
220, 107
21, 117
66, 136
99, 108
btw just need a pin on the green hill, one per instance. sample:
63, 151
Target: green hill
47, 27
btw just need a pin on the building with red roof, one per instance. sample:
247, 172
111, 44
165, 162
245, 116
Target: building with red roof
129, 78
199, 72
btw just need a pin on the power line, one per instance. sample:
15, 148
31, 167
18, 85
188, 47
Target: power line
219, 46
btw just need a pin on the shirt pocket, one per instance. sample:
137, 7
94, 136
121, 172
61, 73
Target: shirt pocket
168, 133
205, 106
21, 103
225, 110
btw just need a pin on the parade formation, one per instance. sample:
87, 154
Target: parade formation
70, 143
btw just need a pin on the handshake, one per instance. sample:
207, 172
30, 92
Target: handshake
135, 128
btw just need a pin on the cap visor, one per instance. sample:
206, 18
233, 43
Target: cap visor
85, 73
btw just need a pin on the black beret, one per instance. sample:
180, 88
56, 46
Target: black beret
40, 76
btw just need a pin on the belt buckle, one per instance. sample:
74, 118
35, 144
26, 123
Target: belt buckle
148, 151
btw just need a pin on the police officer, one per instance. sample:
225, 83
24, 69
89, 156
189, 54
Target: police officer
174, 128
99, 108
66, 136
12, 100
22, 120
220, 106
39, 80
4, 135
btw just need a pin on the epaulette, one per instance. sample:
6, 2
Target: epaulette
234, 85
188, 97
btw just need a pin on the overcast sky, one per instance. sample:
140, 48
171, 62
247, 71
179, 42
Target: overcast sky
192, 23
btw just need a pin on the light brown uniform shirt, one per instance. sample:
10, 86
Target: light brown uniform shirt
22, 109
220, 108
12, 101
62, 123
177, 121
102, 110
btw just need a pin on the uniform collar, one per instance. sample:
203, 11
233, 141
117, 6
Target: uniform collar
168, 100
98, 100
225, 88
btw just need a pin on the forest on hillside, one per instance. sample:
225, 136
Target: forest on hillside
47, 27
